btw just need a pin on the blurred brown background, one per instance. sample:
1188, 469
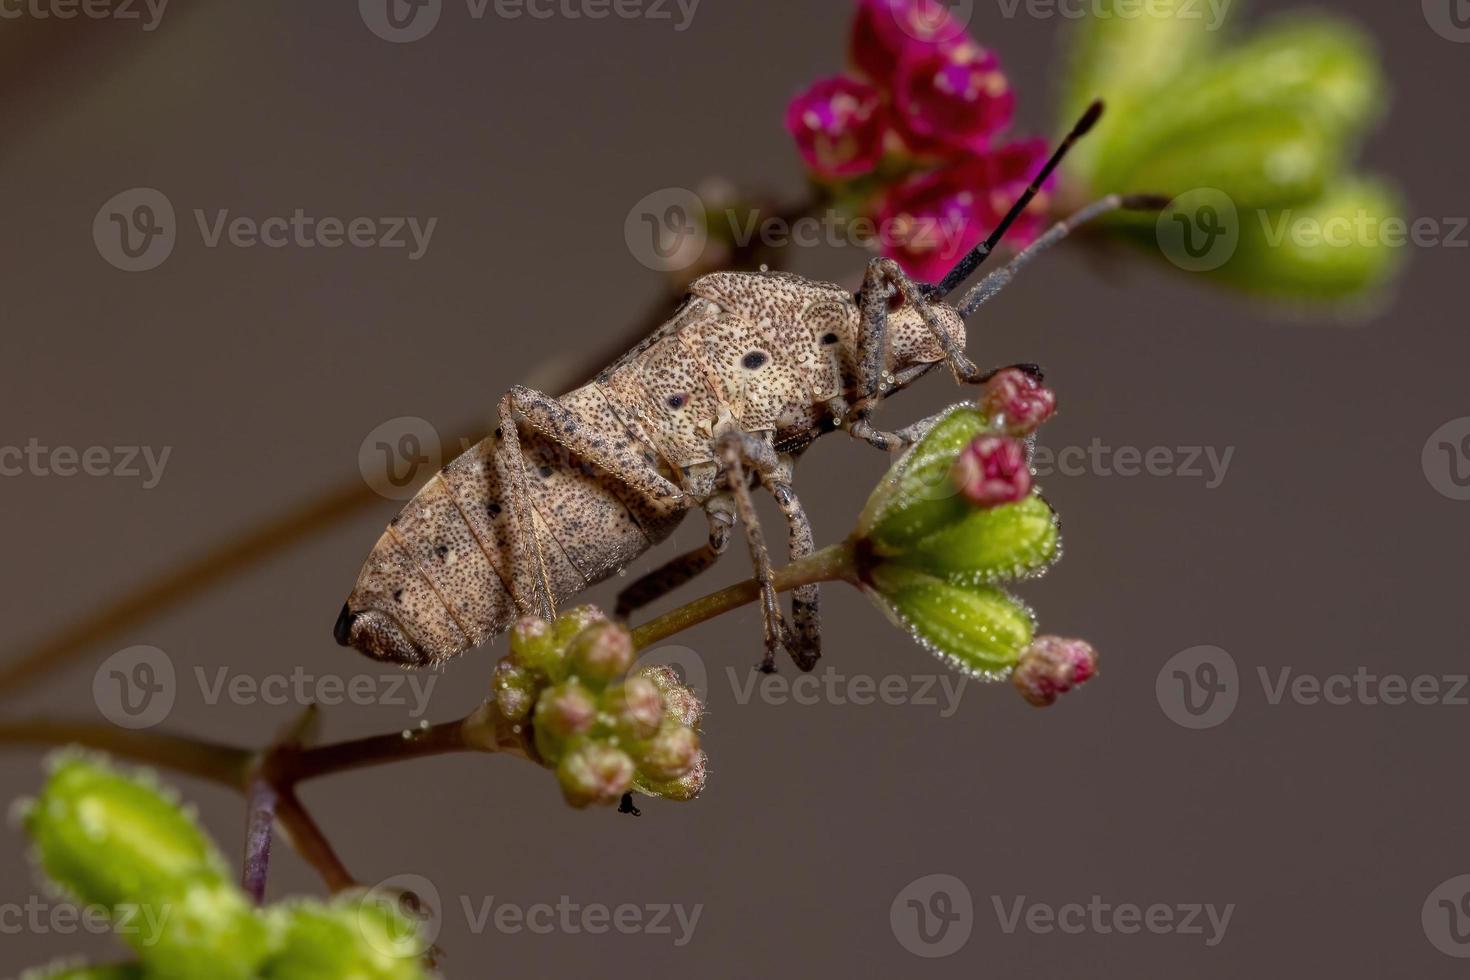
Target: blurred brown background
1324, 549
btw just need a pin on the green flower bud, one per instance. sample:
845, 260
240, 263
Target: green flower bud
978, 630
680, 702
635, 708
1267, 122
117, 842
990, 544
574, 621
600, 654
515, 690
594, 773
534, 646
354, 937
669, 754
1129, 58
1345, 245
918, 496
681, 789
563, 712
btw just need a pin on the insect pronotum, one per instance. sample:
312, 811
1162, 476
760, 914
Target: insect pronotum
750, 370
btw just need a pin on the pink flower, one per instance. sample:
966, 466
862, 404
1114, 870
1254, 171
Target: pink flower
992, 470
1051, 666
952, 100
885, 32
839, 126
930, 220
1018, 400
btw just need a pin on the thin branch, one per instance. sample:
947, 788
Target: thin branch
260, 816
217, 763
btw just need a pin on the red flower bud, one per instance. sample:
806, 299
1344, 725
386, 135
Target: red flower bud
952, 99
1017, 401
884, 32
992, 470
1051, 666
839, 125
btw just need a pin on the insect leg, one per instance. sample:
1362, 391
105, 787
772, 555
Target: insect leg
872, 355
562, 427
805, 643
737, 451
677, 571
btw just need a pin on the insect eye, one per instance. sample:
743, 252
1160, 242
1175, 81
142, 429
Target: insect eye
754, 359
677, 401
829, 339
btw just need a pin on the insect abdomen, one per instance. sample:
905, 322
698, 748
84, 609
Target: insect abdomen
441, 578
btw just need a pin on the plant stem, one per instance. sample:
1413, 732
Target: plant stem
224, 764
832, 563
260, 816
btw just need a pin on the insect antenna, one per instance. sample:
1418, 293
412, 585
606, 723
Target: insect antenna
1002, 277
967, 265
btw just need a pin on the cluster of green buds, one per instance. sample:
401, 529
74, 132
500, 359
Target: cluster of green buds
607, 732
121, 844
955, 519
1255, 140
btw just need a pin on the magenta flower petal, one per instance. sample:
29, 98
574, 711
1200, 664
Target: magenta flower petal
930, 220
839, 126
952, 99
1009, 170
1017, 401
992, 470
885, 32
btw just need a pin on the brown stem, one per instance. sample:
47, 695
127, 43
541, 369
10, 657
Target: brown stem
309, 841
217, 763
831, 564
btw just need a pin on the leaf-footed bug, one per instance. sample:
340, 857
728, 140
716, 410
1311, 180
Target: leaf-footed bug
748, 372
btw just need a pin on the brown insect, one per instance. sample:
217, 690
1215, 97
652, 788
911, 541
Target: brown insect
747, 373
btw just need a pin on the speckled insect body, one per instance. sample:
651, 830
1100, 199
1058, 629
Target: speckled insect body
747, 373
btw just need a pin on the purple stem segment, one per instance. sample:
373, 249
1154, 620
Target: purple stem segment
260, 818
